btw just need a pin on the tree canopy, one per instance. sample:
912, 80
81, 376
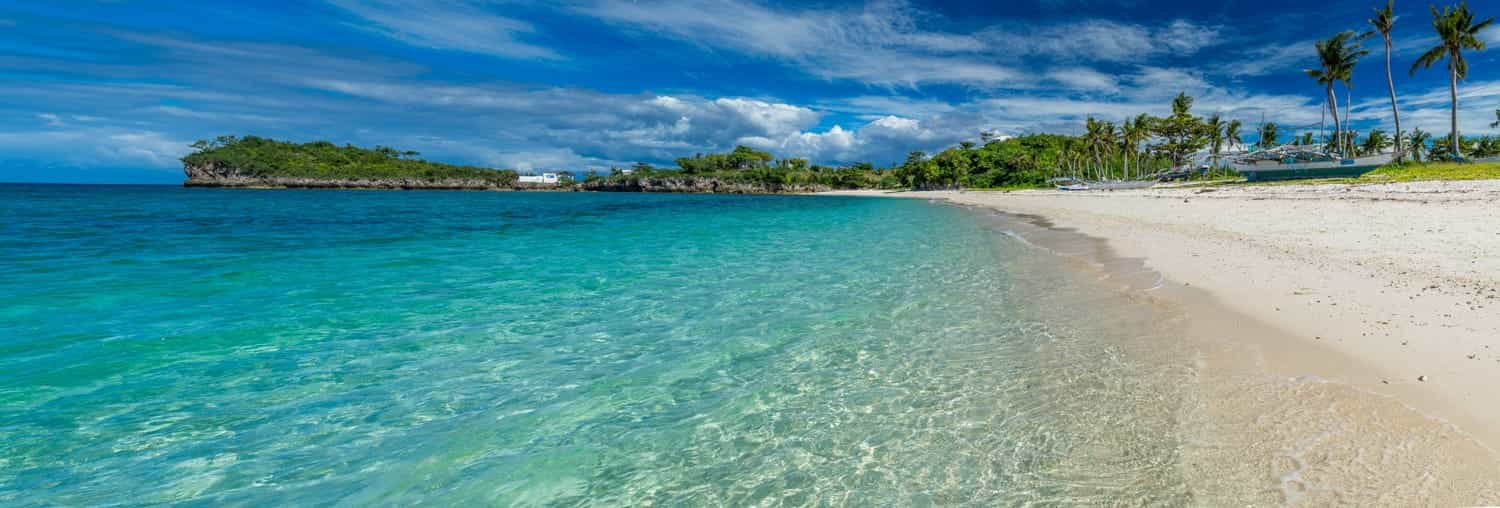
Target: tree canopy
257, 156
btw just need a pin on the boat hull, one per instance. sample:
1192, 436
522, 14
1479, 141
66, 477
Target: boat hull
1268, 174
1331, 169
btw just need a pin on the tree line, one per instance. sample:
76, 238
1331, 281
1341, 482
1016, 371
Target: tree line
257, 156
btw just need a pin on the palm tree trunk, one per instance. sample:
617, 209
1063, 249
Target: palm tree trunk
1333, 107
1391, 84
1349, 102
1453, 94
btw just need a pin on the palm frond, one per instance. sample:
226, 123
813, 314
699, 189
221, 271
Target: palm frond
1432, 56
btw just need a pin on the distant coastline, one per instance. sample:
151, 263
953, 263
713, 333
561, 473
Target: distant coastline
259, 163
228, 177
225, 176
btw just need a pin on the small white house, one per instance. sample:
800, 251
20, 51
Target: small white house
542, 178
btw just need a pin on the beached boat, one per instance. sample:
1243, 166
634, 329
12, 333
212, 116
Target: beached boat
1289, 162
1105, 185
1124, 184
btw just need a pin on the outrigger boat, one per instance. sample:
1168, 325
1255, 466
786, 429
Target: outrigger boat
1069, 184
1289, 162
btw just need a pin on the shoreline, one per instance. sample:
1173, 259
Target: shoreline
1364, 286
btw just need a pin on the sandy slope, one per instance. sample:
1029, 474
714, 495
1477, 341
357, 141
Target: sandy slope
1391, 288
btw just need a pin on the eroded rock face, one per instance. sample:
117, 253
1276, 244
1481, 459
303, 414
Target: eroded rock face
693, 184
217, 175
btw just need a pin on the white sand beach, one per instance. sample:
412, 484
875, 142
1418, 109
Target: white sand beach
1393, 289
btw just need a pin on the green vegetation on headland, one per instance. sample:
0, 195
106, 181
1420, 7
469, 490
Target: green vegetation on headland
256, 158
745, 166
1025, 161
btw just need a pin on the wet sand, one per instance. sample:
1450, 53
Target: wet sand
1348, 339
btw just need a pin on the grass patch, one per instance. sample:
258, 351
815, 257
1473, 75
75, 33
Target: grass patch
1410, 172
1435, 171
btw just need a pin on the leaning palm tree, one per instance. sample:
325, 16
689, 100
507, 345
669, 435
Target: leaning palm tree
1417, 140
1496, 123
1456, 32
1337, 56
1383, 22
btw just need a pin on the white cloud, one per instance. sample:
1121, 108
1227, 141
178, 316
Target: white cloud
51, 118
1272, 58
455, 25
881, 43
771, 118
834, 144
1104, 40
1491, 35
98, 146
1085, 79
1431, 110
891, 43
1161, 84
871, 107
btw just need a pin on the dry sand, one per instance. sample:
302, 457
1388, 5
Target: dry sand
1392, 289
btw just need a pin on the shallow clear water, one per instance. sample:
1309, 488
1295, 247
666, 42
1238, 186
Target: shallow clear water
270, 347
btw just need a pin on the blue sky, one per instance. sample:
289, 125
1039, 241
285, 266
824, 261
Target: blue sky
113, 91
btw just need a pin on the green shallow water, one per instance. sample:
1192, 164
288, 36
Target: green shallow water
166, 345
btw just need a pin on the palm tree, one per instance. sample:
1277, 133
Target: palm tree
1098, 138
1383, 22
1375, 142
1488, 146
1337, 56
1307, 139
1232, 133
1143, 126
1268, 135
1496, 123
1417, 140
1456, 31
1215, 127
1132, 132
1106, 144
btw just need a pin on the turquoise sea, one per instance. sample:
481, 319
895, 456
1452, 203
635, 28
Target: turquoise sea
254, 348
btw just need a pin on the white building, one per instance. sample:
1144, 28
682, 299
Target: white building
542, 178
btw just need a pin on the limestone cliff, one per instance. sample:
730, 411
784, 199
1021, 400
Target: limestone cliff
214, 174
